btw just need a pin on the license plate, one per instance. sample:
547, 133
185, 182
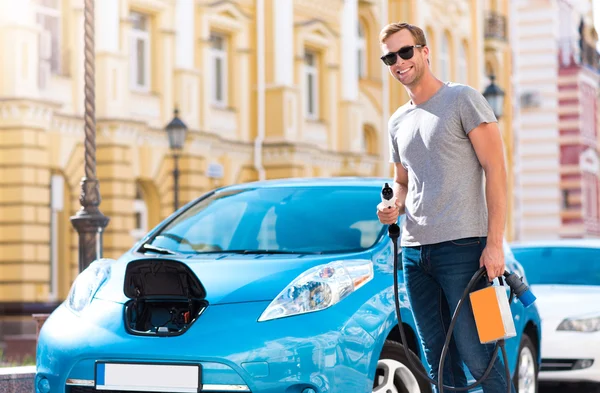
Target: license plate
137, 377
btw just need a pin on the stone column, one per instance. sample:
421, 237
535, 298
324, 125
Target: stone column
349, 133
111, 64
115, 172
24, 201
163, 73
187, 79
19, 38
281, 97
24, 173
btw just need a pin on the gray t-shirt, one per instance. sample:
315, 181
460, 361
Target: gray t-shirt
446, 194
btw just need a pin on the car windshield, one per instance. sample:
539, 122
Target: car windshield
277, 220
560, 265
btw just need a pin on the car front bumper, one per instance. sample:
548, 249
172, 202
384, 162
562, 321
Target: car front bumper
570, 357
326, 351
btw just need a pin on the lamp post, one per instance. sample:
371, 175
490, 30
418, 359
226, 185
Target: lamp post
176, 131
89, 221
495, 96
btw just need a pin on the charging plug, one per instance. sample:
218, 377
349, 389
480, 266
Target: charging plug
388, 200
520, 289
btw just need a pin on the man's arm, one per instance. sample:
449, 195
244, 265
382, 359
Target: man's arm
400, 186
487, 142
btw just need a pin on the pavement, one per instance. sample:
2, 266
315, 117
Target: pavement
569, 388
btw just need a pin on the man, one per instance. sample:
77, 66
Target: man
442, 142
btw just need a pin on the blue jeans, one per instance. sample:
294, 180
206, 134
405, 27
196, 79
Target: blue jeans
436, 276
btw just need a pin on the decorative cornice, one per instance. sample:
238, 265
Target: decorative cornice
68, 125
32, 113
317, 22
328, 9
214, 4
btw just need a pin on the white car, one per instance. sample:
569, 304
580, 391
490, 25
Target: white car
564, 275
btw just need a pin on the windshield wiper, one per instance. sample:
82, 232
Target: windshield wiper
159, 250
252, 252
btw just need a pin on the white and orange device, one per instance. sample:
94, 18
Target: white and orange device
492, 314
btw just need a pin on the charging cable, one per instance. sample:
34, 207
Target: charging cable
517, 287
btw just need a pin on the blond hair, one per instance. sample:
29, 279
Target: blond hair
395, 27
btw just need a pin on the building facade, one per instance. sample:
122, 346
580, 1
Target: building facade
267, 88
579, 78
555, 123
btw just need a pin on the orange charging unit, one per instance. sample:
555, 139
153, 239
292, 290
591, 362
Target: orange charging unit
492, 314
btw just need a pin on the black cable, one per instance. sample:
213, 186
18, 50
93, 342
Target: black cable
394, 233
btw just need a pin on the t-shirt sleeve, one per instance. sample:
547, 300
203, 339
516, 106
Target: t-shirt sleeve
394, 155
474, 109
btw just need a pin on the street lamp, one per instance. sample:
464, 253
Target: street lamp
176, 131
89, 220
495, 96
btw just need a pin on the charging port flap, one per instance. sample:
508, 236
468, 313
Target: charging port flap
166, 297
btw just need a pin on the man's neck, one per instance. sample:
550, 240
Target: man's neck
426, 88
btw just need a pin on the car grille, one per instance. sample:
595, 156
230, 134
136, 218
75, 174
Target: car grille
565, 364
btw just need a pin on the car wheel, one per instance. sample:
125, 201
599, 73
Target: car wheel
525, 378
395, 374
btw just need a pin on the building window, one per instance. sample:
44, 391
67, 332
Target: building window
463, 64
445, 59
369, 139
362, 52
48, 18
140, 52
590, 195
218, 66
140, 215
311, 73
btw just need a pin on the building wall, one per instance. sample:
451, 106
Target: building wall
578, 85
256, 127
535, 102
557, 79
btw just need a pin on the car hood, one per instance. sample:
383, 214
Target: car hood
230, 278
556, 302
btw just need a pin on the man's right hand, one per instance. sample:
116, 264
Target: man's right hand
389, 215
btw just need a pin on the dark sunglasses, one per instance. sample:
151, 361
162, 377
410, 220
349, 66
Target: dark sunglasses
406, 52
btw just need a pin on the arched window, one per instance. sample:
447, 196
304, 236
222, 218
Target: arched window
445, 58
140, 214
429, 37
218, 70
362, 52
311, 75
61, 230
463, 64
369, 139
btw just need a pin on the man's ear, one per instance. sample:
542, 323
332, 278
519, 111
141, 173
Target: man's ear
426, 52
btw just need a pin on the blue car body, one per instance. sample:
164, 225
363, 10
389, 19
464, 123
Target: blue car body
332, 350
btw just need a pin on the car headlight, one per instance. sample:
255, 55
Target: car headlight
319, 288
87, 284
586, 325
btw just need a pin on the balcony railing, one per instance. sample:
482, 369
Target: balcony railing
495, 26
590, 57
574, 52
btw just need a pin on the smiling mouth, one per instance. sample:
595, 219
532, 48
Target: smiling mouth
404, 71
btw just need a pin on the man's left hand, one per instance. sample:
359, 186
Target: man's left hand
493, 260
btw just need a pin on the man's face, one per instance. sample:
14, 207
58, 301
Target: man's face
406, 71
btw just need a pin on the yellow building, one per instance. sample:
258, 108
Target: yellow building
267, 88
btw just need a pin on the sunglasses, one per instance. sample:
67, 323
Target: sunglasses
406, 52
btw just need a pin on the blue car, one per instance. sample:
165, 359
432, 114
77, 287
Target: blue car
266, 287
